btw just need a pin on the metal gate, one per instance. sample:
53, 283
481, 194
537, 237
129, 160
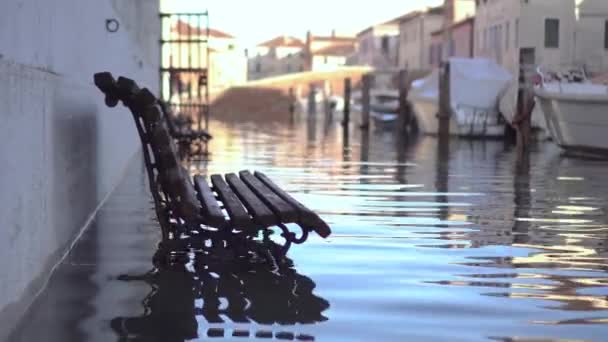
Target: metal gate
184, 66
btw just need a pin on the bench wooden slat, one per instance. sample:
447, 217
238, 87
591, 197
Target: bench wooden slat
211, 209
238, 215
285, 211
261, 214
308, 218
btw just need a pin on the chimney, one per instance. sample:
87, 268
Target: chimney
308, 40
308, 51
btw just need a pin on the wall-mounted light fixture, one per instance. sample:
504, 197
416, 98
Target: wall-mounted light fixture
112, 25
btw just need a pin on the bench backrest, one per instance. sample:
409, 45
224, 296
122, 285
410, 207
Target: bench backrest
172, 190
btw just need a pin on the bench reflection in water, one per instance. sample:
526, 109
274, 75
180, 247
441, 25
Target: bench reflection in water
222, 290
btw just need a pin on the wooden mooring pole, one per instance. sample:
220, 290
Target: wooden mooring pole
312, 99
292, 102
327, 99
445, 110
404, 110
366, 85
347, 93
525, 105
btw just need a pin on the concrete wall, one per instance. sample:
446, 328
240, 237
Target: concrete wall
62, 150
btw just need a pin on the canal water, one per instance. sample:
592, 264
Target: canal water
459, 242
454, 243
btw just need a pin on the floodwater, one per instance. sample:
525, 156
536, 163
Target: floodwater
459, 242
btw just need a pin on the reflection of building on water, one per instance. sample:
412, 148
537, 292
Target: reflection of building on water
216, 291
563, 237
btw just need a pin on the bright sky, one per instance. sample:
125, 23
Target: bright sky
254, 21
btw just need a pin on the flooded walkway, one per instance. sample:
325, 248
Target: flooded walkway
430, 244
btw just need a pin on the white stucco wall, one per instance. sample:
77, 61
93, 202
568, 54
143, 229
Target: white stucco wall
532, 31
327, 63
62, 150
591, 30
228, 69
415, 41
369, 47
523, 25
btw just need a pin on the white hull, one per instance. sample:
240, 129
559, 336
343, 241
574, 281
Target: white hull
320, 103
425, 111
577, 122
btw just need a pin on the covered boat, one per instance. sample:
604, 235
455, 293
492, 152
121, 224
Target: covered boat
476, 85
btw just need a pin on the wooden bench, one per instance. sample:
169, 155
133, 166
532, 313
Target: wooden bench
226, 209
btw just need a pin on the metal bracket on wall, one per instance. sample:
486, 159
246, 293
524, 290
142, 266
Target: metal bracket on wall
112, 25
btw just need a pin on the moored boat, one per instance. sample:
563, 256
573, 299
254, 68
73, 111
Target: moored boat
576, 115
475, 88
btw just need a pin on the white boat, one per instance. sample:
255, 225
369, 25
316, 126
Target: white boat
335, 103
476, 85
576, 115
508, 101
383, 107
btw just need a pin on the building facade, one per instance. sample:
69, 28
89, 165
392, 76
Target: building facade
456, 37
225, 62
539, 32
458, 41
415, 38
378, 46
326, 53
278, 56
591, 40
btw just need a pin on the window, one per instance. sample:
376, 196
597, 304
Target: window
516, 33
385, 45
606, 35
507, 35
485, 39
451, 48
552, 33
